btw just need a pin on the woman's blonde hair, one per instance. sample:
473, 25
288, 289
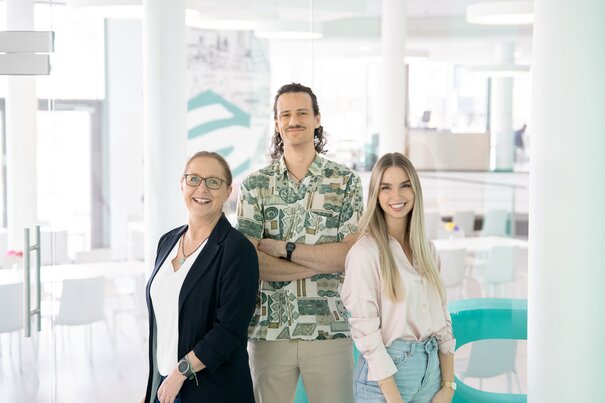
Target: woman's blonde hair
373, 224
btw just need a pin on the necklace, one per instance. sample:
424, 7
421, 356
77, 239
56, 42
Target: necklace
295, 177
185, 256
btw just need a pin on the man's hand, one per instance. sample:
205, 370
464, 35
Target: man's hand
272, 247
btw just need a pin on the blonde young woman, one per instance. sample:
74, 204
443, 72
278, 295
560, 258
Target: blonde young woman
395, 296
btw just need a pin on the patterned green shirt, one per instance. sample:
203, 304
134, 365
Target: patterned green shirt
324, 207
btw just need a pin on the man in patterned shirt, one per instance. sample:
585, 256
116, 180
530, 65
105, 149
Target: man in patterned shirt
299, 212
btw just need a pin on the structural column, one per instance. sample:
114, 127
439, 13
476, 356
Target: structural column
501, 113
165, 129
567, 204
393, 96
21, 153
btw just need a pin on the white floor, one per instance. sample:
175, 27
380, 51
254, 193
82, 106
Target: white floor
113, 375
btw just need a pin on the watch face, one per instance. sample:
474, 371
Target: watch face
290, 246
183, 366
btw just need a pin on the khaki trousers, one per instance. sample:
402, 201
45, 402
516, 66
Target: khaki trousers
326, 367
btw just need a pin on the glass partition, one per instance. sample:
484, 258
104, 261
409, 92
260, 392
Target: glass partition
89, 158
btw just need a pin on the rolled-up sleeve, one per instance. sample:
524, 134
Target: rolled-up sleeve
352, 208
445, 335
361, 295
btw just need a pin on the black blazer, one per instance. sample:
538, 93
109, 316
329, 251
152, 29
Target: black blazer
216, 303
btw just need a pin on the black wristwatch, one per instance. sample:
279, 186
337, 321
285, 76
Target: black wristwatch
185, 368
290, 246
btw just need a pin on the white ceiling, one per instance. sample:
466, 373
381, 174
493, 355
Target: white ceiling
353, 26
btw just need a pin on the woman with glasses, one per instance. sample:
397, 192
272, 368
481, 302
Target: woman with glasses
395, 296
201, 297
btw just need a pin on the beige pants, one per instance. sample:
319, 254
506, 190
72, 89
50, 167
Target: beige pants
326, 367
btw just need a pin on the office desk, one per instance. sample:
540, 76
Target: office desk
478, 244
60, 272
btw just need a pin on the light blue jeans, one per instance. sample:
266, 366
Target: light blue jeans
418, 375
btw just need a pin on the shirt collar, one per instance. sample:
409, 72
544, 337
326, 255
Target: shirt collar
314, 168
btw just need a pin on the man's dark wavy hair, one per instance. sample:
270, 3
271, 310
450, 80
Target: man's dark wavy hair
277, 144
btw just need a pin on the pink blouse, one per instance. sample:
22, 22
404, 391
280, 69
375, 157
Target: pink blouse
376, 321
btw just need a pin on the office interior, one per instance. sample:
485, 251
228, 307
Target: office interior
498, 104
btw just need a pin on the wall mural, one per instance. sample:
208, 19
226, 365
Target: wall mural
229, 108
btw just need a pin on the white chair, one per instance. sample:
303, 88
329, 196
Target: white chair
83, 303
466, 221
495, 223
500, 269
54, 247
453, 269
137, 309
11, 313
3, 246
136, 240
493, 357
94, 256
432, 221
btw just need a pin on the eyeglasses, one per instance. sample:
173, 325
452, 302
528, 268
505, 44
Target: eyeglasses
196, 180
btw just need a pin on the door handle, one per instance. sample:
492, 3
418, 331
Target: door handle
27, 311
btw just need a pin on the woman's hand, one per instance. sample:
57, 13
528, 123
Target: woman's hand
389, 389
444, 395
171, 386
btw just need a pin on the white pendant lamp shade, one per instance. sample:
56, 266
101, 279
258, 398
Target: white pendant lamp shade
107, 8
501, 13
228, 19
498, 70
288, 30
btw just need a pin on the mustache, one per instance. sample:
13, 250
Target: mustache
295, 127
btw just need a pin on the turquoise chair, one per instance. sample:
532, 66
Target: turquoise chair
483, 319
473, 320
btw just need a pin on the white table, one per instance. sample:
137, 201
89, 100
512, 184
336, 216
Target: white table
60, 272
478, 244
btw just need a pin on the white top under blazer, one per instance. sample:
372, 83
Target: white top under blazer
165, 291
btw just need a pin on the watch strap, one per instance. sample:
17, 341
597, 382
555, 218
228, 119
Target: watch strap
290, 246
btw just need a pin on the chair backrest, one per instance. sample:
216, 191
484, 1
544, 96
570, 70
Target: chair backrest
82, 301
3, 245
500, 265
432, 219
53, 247
453, 266
489, 358
94, 256
466, 221
11, 307
495, 223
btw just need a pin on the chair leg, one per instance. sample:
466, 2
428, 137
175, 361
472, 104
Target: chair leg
112, 338
54, 360
517, 380
20, 352
89, 329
